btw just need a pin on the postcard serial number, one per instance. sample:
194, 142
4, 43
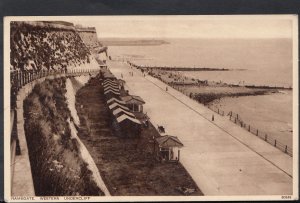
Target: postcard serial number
286, 197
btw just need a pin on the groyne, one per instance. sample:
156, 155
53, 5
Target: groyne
268, 87
169, 68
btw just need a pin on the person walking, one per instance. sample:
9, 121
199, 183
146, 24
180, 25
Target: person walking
213, 118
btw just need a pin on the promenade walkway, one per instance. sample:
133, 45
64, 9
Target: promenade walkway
222, 158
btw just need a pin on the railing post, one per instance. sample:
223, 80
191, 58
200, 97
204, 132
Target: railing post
275, 143
285, 149
18, 148
257, 132
31, 76
19, 80
249, 128
266, 137
24, 78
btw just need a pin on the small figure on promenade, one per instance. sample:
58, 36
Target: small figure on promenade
121, 75
166, 88
213, 118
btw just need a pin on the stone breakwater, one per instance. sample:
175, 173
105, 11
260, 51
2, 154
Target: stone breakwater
166, 68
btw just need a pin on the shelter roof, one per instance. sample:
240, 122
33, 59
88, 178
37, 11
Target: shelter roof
129, 98
168, 141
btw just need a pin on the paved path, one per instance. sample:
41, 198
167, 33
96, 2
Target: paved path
222, 158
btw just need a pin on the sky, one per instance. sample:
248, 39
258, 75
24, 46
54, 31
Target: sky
279, 26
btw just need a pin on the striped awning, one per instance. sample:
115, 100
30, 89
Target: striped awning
120, 110
124, 117
118, 105
111, 85
111, 88
114, 100
112, 91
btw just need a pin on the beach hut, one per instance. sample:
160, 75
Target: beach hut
115, 85
111, 94
114, 100
114, 106
115, 89
134, 103
110, 81
129, 126
119, 111
110, 84
167, 148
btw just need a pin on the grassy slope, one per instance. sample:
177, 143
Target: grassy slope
57, 166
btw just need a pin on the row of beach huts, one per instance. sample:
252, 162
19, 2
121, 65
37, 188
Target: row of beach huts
128, 118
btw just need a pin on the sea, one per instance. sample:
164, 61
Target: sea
250, 62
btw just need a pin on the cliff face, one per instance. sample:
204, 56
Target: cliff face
90, 38
46, 45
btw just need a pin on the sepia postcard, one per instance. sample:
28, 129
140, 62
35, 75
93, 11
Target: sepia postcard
151, 108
